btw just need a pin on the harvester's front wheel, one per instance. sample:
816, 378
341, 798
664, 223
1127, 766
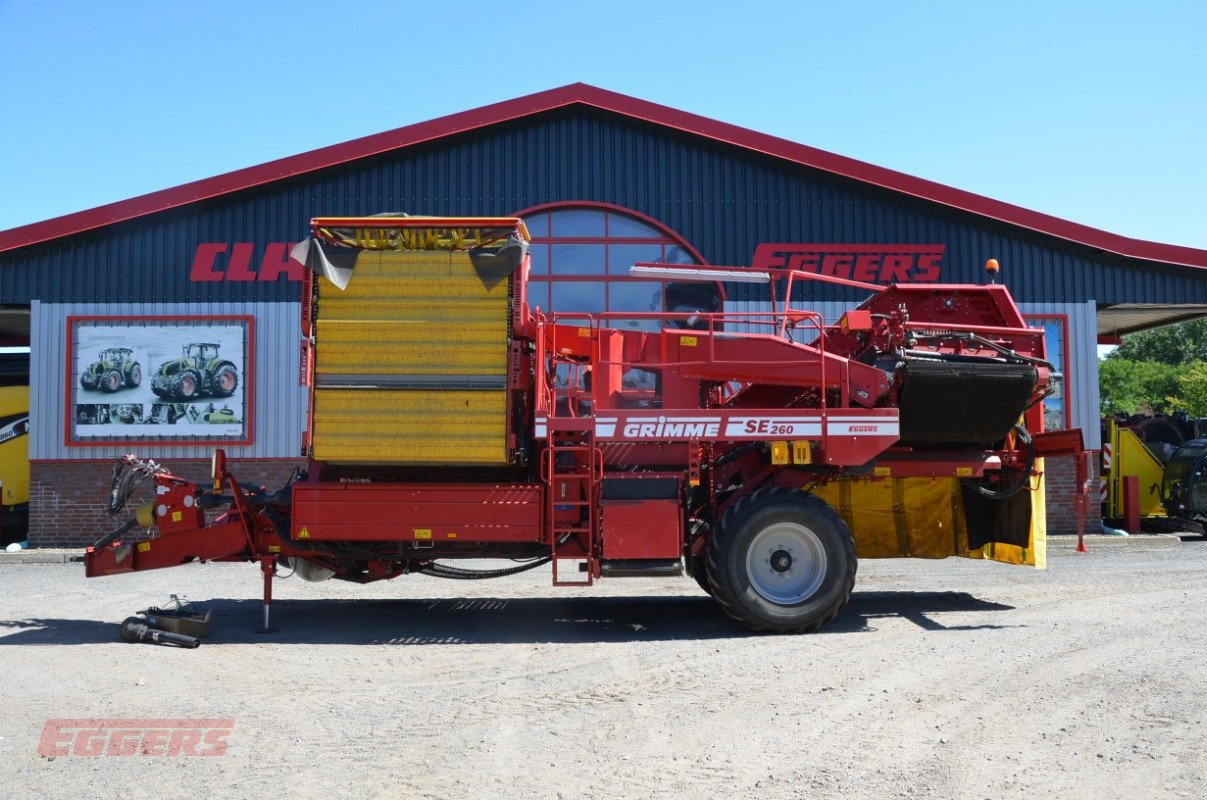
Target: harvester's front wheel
781, 560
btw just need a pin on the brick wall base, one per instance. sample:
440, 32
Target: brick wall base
67, 499
1061, 478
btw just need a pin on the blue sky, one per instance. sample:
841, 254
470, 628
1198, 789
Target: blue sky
1091, 111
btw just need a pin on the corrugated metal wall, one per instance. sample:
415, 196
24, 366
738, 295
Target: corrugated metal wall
1081, 382
278, 405
723, 199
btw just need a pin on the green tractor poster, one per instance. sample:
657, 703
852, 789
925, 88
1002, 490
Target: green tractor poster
158, 380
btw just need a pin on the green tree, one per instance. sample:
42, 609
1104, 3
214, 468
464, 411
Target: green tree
1192, 391
1139, 387
1175, 344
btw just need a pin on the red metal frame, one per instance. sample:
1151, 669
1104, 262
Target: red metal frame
580, 94
423, 513
668, 232
811, 409
249, 372
318, 223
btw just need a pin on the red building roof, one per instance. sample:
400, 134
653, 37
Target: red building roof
585, 95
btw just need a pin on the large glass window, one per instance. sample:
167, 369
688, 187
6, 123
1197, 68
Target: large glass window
1056, 411
581, 257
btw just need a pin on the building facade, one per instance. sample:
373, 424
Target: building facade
169, 324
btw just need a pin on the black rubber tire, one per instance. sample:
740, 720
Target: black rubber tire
134, 376
185, 385
111, 381
1176, 525
699, 570
88, 381
220, 377
697, 566
733, 538
1157, 430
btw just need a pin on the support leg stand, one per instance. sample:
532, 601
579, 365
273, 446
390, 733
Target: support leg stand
267, 567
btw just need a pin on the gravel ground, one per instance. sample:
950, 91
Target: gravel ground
941, 679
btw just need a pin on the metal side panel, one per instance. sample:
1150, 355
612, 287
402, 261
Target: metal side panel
424, 513
411, 347
413, 313
409, 426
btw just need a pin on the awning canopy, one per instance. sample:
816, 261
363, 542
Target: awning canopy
1124, 318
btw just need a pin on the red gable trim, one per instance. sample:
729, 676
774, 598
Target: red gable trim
582, 94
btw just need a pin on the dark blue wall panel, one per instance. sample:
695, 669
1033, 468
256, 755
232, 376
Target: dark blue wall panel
724, 200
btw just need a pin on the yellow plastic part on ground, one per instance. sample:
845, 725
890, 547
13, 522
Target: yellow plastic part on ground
924, 518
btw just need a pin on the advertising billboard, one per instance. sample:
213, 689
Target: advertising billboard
163, 379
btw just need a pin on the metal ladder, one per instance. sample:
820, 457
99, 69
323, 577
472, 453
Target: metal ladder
569, 441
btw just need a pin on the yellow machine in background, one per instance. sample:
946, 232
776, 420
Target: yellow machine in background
1126, 455
14, 462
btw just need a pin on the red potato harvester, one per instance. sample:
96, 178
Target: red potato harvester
449, 421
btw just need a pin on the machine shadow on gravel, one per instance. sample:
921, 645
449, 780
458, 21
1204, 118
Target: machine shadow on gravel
56, 631
426, 621
913, 606
501, 620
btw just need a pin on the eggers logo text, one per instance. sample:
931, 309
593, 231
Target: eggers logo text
867, 263
134, 737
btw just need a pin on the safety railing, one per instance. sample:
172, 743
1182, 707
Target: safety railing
565, 388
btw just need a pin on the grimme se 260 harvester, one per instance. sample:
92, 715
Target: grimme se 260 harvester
758, 451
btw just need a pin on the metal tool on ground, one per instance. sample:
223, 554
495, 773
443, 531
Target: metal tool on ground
179, 616
452, 418
135, 630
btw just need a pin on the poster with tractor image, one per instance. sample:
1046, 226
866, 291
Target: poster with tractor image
182, 380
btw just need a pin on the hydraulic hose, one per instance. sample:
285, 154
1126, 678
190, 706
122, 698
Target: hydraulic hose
463, 574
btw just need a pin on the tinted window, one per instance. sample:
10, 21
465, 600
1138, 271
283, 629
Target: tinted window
577, 259
574, 223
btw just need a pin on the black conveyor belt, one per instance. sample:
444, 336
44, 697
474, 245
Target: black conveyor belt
949, 402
